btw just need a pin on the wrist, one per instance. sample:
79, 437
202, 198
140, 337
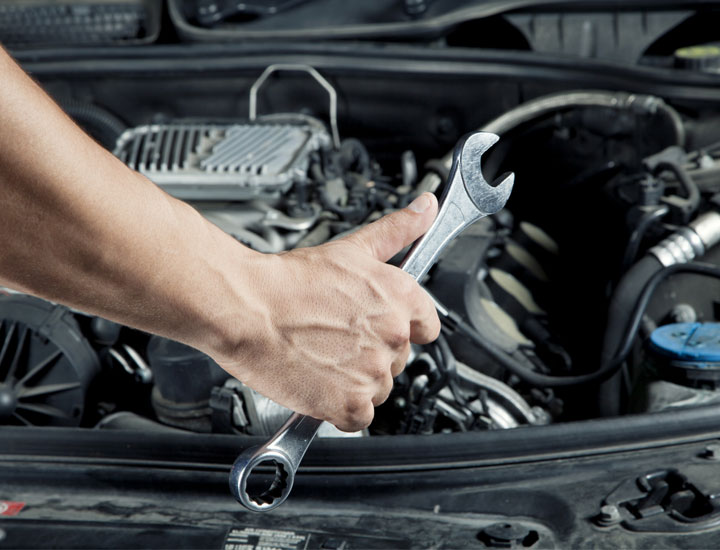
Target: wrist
232, 309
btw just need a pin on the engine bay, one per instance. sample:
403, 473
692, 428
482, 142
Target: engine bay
571, 303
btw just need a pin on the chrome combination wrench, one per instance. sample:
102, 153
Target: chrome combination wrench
466, 199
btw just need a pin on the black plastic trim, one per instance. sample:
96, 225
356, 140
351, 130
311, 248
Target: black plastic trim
389, 453
430, 25
371, 59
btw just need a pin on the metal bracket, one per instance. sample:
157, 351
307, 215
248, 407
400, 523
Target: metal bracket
320, 79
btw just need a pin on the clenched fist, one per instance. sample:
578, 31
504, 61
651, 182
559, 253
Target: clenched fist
332, 325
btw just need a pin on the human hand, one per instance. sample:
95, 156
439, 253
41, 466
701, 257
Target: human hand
332, 325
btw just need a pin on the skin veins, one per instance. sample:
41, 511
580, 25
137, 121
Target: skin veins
320, 330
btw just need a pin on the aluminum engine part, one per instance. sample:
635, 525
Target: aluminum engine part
257, 225
257, 415
660, 395
689, 242
505, 407
222, 161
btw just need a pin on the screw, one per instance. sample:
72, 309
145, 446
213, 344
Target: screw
609, 515
712, 451
507, 535
415, 7
683, 313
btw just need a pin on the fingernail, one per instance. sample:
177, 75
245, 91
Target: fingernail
420, 204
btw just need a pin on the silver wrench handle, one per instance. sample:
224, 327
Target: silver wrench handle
455, 214
457, 210
289, 444
285, 450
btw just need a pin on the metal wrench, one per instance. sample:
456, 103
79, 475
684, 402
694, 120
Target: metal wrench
466, 199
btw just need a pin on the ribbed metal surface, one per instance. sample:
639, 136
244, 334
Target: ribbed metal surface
255, 149
163, 148
221, 161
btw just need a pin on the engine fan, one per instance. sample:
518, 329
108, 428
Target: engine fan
46, 364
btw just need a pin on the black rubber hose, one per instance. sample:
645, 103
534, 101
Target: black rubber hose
622, 303
697, 268
623, 300
98, 122
609, 367
445, 361
638, 233
692, 192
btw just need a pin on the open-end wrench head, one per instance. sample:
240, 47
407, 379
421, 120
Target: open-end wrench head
488, 198
467, 197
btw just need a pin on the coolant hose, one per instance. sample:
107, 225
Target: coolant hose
621, 307
100, 123
564, 101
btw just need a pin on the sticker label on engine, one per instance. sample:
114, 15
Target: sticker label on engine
265, 539
10, 508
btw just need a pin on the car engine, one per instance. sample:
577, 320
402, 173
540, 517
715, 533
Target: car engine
576, 301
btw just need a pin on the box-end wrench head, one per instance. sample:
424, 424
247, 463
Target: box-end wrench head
466, 199
285, 450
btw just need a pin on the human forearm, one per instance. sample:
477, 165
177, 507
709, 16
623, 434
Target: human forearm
79, 227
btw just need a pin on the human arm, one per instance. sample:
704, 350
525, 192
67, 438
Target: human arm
319, 330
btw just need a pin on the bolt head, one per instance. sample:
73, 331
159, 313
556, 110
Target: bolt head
609, 514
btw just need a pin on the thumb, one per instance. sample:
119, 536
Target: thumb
390, 234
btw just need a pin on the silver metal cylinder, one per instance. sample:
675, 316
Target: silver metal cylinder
707, 227
689, 242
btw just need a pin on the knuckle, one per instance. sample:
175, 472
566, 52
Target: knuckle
424, 333
405, 354
434, 327
399, 336
426, 326
408, 287
354, 407
384, 392
376, 370
375, 364
398, 367
400, 361
388, 385
358, 413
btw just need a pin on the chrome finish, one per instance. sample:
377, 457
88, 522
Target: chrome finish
467, 198
320, 79
687, 243
286, 449
707, 228
224, 162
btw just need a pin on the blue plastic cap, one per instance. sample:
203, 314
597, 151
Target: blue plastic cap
688, 341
